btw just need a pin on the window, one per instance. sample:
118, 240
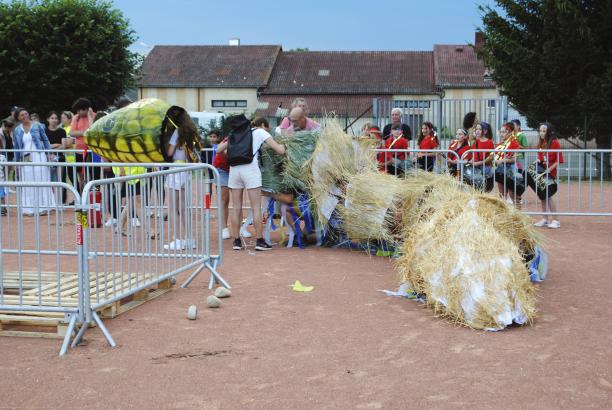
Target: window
411, 104
491, 103
229, 103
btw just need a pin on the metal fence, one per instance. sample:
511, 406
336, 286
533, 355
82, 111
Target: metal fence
579, 188
445, 114
120, 238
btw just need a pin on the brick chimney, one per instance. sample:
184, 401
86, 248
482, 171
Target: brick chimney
478, 39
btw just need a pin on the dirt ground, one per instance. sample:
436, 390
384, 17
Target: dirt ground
344, 345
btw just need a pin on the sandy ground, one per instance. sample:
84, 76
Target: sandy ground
344, 345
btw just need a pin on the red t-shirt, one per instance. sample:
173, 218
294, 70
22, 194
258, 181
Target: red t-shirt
510, 144
395, 143
220, 161
481, 156
459, 151
429, 142
549, 158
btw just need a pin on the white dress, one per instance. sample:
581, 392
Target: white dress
35, 199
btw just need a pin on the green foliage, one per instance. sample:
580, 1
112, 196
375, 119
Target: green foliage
54, 51
553, 58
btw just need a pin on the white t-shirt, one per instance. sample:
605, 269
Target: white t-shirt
259, 137
179, 153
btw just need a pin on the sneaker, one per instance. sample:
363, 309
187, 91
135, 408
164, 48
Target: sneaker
135, 223
237, 244
542, 222
226, 233
110, 222
554, 224
262, 245
244, 232
175, 245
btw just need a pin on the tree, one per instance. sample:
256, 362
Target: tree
54, 51
553, 58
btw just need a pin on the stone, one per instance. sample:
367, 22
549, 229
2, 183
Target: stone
213, 302
222, 292
192, 312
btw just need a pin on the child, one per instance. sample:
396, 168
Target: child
428, 141
550, 162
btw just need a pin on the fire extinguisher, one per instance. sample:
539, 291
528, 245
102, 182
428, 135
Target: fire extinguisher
95, 214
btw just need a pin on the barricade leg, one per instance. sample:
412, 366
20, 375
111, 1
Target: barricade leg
103, 329
71, 324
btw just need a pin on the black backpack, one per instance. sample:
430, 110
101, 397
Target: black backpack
240, 141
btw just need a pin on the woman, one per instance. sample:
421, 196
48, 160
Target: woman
549, 162
220, 162
459, 146
248, 176
58, 140
31, 138
505, 163
427, 141
483, 139
180, 132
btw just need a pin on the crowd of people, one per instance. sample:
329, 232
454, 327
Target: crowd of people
34, 143
493, 162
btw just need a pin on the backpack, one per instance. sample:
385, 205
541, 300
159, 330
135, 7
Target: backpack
240, 141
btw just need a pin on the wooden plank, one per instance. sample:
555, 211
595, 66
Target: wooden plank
38, 335
117, 308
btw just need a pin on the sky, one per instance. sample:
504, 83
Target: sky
312, 24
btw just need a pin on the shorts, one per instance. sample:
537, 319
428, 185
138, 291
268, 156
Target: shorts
245, 176
223, 177
177, 181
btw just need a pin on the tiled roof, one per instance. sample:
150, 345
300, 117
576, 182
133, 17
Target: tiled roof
457, 66
353, 72
318, 105
209, 66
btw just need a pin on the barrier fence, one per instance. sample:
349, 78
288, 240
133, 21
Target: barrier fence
579, 188
123, 239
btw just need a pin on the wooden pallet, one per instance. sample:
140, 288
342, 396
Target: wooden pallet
45, 290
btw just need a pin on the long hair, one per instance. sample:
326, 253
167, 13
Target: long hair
549, 136
188, 135
486, 130
431, 127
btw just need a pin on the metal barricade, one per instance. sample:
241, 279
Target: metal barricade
40, 280
579, 188
132, 232
400, 162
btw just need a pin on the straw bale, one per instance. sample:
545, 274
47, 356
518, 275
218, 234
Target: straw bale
336, 158
371, 203
468, 271
299, 150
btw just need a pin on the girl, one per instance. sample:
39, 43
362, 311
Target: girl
394, 162
248, 176
550, 162
458, 146
58, 140
220, 162
483, 139
31, 138
179, 132
427, 141
506, 162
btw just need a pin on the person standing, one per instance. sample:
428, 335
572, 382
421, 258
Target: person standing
248, 176
522, 140
428, 142
300, 122
219, 161
396, 122
286, 122
6, 142
81, 121
58, 140
549, 162
30, 138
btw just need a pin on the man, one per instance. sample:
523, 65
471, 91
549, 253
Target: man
396, 123
299, 121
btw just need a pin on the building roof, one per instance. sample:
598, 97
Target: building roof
457, 66
353, 72
209, 66
318, 105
